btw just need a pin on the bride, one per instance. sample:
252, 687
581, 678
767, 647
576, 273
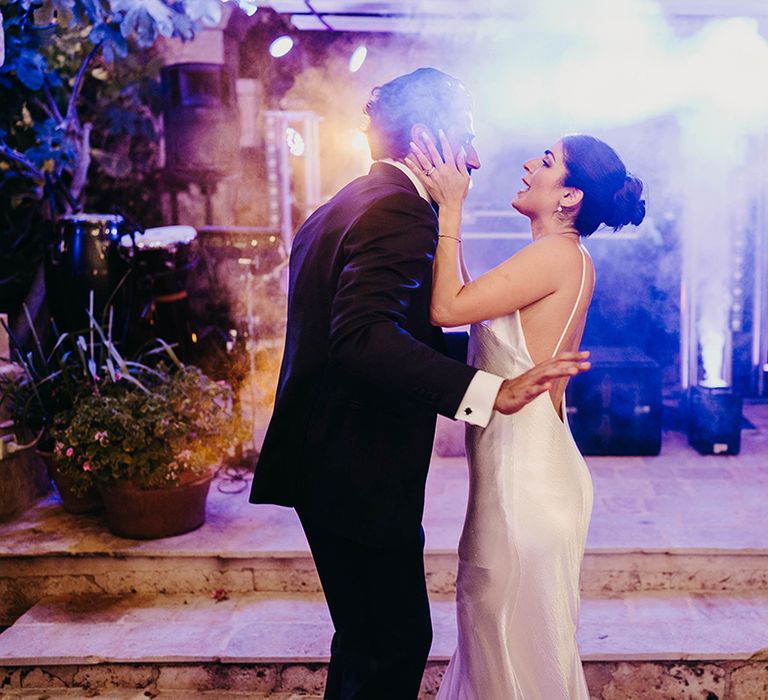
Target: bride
530, 494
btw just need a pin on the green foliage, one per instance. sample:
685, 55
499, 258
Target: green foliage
66, 63
79, 116
50, 383
125, 110
147, 419
186, 422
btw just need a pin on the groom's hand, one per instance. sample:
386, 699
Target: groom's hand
516, 393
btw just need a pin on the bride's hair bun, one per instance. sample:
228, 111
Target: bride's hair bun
611, 195
628, 204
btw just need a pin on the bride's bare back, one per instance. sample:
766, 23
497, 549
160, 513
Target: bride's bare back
556, 322
542, 281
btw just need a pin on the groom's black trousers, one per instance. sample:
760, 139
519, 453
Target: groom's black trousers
378, 601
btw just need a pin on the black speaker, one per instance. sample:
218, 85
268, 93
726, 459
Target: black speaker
615, 408
202, 123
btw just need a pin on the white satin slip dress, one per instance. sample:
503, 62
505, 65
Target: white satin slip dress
520, 553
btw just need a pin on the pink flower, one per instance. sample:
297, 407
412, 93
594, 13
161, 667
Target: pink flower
219, 594
69, 452
86, 466
58, 448
100, 435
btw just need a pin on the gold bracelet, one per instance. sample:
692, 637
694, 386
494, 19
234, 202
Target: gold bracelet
441, 235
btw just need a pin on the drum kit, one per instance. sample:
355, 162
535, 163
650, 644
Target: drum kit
141, 274
171, 282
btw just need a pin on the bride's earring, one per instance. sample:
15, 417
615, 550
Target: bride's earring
559, 208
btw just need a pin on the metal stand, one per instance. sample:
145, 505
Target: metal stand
280, 184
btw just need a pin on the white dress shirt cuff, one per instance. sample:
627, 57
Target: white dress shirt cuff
476, 407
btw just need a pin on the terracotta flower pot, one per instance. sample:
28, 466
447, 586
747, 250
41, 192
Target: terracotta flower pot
89, 502
146, 514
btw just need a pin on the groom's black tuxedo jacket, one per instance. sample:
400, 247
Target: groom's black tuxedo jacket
363, 374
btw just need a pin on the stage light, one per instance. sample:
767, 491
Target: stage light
357, 59
248, 7
714, 410
714, 420
295, 141
280, 46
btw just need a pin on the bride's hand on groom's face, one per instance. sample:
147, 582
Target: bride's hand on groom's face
446, 180
520, 391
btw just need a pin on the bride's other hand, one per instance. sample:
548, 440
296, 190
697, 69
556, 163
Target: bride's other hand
447, 181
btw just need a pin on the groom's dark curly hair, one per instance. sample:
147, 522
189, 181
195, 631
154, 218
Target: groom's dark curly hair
426, 96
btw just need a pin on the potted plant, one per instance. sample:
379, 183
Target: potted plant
151, 441
47, 384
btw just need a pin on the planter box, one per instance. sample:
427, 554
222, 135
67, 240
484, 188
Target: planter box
23, 481
23, 476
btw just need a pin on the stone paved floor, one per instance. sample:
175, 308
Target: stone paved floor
677, 500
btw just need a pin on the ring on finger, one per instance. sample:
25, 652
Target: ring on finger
427, 173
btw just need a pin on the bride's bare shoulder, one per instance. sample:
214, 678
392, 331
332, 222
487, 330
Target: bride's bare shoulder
552, 251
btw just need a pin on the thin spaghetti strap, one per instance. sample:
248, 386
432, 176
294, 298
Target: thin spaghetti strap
578, 299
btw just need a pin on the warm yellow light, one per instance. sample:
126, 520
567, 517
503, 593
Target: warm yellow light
194, 337
359, 142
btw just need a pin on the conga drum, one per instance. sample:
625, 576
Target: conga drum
160, 260
79, 262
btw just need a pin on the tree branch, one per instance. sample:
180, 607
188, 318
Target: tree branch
14, 155
80, 176
77, 87
52, 103
44, 107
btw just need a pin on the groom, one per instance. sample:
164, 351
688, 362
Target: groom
363, 376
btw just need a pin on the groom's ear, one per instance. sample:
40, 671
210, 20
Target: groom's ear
418, 132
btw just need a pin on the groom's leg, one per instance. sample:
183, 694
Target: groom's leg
378, 602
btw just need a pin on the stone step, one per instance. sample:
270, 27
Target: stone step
25, 580
244, 548
676, 522
139, 694
639, 646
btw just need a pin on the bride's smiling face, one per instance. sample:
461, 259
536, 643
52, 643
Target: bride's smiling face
542, 187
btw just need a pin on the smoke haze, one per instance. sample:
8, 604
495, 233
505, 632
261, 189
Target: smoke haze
680, 99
